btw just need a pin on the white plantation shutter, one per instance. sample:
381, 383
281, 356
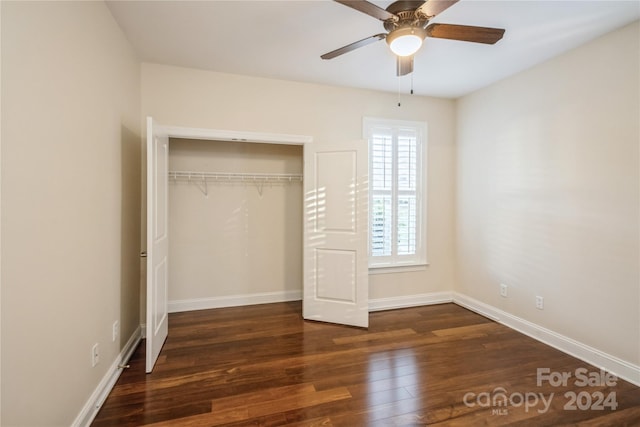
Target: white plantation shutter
406, 200
381, 176
396, 203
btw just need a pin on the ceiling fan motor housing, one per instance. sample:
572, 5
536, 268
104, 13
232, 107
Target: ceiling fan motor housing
408, 15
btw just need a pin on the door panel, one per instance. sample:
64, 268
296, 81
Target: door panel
335, 238
157, 241
335, 275
337, 200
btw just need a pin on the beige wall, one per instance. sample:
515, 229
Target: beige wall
548, 194
202, 99
70, 204
234, 240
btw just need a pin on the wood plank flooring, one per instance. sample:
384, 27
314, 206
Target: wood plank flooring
263, 365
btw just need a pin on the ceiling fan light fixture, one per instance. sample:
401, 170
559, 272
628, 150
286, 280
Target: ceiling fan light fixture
406, 41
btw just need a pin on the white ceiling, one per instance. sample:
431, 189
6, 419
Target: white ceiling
284, 40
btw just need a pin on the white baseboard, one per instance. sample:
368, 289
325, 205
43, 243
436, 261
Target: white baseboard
620, 368
233, 301
409, 301
99, 395
270, 297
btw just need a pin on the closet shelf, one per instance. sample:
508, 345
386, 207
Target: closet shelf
233, 176
202, 178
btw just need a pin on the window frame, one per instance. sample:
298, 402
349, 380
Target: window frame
395, 261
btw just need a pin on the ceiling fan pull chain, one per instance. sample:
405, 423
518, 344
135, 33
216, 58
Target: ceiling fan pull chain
412, 83
398, 91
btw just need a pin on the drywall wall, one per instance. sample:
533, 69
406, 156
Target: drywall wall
201, 99
548, 194
70, 204
233, 238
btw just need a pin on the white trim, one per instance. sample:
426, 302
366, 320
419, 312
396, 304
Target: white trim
233, 301
622, 369
405, 301
271, 297
99, 395
398, 269
479, 307
231, 135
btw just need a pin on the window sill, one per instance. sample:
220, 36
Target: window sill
398, 269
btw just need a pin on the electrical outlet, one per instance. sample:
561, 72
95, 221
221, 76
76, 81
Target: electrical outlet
539, 303
115, 331
95, 354
503, 290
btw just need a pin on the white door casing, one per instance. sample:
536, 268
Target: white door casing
157, 241
335, 233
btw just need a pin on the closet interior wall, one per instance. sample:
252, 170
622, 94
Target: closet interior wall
232, 238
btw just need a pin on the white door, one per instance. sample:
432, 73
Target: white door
335, 236
157, 241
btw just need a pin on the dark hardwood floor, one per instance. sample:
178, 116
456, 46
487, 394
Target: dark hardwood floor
442, 364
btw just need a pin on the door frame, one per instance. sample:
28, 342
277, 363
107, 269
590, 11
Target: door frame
218, 135
238, 136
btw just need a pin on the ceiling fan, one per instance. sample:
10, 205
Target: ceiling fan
407, 23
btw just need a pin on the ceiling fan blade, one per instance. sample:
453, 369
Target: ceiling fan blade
432, 8
405, 65
465, 33
368, 8
353, 46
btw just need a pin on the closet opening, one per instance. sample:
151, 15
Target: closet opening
235, 223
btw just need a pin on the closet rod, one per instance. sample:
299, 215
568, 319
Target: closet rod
200, 179
233, 176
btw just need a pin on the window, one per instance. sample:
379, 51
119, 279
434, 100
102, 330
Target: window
397, 206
